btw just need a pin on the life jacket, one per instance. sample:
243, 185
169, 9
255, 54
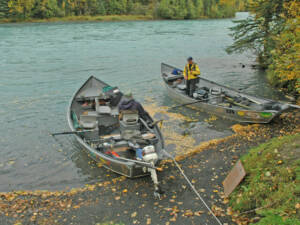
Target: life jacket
191, 71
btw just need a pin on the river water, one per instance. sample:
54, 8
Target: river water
42, 65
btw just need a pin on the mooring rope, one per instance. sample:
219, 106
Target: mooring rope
192, 186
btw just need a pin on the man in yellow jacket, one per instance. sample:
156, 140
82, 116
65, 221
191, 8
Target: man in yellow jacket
191, 72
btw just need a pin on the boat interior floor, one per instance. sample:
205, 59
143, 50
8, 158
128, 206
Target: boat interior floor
110, 133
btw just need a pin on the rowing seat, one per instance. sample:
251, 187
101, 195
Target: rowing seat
129, 124
88, 120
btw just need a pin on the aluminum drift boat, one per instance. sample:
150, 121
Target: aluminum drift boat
220, 100
130, 146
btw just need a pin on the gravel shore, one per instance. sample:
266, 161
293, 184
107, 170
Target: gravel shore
125, 201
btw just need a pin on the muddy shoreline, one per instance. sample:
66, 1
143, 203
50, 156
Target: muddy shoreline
125, 201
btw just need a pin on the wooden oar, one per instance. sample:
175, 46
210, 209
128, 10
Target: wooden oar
202, 100
71, 132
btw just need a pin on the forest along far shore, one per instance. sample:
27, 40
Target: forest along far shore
113, 10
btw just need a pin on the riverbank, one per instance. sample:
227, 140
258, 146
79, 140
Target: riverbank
110, 18
127, 201
269, 193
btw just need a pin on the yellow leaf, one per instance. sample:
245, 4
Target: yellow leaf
148, 221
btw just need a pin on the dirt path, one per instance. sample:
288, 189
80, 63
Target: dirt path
125, 201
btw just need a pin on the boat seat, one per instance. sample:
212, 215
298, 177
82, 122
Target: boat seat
102, 109
130, 116
88, 121
215, 90
181, 86
129, 124
172, 77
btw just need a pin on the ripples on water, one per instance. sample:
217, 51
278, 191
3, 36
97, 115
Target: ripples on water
42, 65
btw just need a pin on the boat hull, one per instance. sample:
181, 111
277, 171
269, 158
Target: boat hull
243, 116
125, 168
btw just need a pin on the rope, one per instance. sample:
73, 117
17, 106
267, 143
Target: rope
192, 186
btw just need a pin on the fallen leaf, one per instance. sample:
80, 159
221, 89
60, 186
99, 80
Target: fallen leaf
159, 169
174, 218
188, 213
198, 213
125, 191
148, 221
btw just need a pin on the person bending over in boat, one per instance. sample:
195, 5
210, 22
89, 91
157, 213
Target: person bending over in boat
190, 73
128, 103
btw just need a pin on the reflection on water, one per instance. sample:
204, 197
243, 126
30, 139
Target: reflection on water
42, 65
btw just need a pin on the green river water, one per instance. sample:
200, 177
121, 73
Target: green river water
42, 65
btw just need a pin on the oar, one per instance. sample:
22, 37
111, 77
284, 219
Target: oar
191, 103
71, 132
294, 106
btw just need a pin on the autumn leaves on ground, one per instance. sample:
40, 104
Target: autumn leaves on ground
125, 201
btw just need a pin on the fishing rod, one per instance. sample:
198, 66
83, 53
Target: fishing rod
71, 132
191, 103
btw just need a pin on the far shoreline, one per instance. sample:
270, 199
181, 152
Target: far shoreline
109, 18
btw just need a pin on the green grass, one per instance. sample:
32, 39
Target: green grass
83, 18
272, 182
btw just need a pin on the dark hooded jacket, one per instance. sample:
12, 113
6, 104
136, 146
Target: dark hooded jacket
131, 104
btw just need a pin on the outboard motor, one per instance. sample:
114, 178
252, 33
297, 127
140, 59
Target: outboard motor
150, 156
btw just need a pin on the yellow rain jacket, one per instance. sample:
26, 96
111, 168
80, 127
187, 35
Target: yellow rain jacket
191, 72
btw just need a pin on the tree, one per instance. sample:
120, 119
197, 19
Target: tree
191, 10
45, 9
164, 10
255, 32
199, 8
284, 70
21, 8
4, 9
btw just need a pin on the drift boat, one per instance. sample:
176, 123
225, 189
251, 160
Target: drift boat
130, 146
220, 100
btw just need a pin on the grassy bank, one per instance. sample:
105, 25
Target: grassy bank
82, 19
271, 190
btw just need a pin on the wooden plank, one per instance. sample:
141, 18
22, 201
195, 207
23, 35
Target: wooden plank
233, 179
121, 149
